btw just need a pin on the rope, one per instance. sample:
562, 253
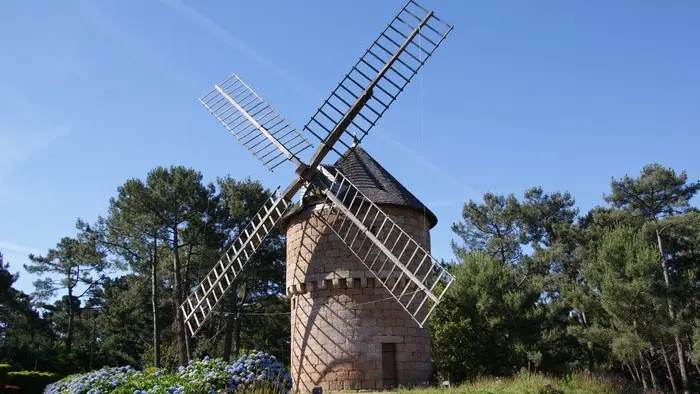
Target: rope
422, 136
420, 85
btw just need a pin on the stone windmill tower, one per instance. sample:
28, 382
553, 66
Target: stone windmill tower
347, 331
360, 275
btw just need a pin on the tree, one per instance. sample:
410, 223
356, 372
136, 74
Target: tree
592, 322
26, 340
75, 262
182, 205
260, 285
6, 278
488, 323
132, 230
542, 215
657, 193
122, 300
491, 227
625, 273
546, 223
497, 229
173, 215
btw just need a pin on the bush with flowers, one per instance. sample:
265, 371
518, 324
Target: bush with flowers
256, 371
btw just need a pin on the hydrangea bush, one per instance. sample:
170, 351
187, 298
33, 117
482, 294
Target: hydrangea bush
106, 380
257, 371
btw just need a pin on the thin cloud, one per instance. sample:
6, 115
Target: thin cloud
18, 146
18, 249
235, 43
455, 183
17, 255
143, 48
440, 203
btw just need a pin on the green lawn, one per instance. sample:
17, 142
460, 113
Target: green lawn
537, 384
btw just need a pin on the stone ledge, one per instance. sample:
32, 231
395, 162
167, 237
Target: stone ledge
389, 339
344, 280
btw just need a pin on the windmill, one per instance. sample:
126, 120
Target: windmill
397, 262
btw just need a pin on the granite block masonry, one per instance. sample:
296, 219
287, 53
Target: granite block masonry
347, 332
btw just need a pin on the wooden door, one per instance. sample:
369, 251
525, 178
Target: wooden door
389, 365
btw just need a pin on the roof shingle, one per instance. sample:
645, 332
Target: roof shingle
375, 182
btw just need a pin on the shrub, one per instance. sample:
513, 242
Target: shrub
104, 380
254, 371
31, 382
3, 374
251, 371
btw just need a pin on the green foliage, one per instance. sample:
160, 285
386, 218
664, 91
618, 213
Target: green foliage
31, 381
658, 191
488, 322
626, 271
75, 260
490, 227
26, 339
695, 351
595, 293
4, 369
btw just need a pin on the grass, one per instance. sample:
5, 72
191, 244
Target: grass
538, 384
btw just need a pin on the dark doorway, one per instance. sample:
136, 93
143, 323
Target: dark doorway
389, 365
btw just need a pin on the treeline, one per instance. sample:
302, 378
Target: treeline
539, 285
122, 278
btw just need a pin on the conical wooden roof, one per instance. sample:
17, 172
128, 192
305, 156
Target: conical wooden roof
374, 181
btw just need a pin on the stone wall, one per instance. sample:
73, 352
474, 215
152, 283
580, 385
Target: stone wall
342, 315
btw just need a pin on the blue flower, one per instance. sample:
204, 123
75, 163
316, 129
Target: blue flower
202, 376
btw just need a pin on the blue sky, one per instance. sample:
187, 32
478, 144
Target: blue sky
559, 94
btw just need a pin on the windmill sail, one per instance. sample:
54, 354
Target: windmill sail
264, 132
386, 67
201, 302
397, 261
402, 265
